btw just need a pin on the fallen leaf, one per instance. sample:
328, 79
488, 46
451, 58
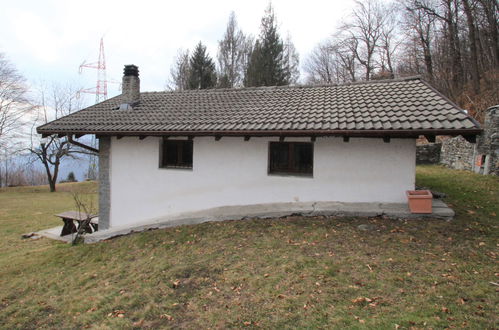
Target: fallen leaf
138, 323
359, 300
166, 316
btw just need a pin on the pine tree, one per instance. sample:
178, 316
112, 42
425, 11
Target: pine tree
266, 64
202, 69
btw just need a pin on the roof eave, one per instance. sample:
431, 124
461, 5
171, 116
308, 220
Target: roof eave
261, 133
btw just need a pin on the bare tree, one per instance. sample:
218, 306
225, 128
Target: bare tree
452, 43
321, 65
363, 32
14, 103
180, 71
388, 43
291, 61
487, 12
51, 150
86, 208
232, 53
420, 32
470, 19
447, 13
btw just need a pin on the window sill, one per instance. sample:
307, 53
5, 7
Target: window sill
296, 175
175, 168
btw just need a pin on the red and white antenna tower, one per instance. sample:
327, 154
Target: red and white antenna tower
100, 90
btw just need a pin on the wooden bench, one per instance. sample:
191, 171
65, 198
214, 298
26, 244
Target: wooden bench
70, 217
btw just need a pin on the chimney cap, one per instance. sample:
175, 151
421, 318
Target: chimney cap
131, 70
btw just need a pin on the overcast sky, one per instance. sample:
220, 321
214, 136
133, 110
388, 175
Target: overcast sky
48, 40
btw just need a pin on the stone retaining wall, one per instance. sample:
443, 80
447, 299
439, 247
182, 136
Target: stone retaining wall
489, 142
457, 153
481, 157
428, 153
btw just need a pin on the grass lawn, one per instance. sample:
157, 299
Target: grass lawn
293, 272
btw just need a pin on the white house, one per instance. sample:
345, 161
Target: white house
165, 153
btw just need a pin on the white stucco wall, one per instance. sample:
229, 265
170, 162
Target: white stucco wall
234, 172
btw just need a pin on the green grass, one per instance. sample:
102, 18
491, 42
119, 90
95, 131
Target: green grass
293, 272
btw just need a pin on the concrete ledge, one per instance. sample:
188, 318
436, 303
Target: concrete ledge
55, 234
347, 209
264, 211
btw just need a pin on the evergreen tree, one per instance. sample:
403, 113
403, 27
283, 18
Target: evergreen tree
266, 65
202, 69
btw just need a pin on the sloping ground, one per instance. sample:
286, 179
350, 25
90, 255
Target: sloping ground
291, 272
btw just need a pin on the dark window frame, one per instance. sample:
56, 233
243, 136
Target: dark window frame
178, 165
291, 170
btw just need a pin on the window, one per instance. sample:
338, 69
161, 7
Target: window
294, 158
176, 154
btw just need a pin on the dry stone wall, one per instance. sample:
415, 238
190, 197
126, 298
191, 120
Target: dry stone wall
457, 153
428, 153
482, 157
489, 142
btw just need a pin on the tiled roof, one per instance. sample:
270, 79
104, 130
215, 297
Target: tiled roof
390, 106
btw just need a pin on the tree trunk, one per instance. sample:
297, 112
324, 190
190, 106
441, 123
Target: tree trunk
54, 176
428, 62
454, 51
491, 8
49, 175
475, 75
52, 185
424, 37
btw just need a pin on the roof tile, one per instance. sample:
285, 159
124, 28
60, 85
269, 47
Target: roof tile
409, 104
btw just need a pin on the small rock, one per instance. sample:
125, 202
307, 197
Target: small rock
438, 194
366, 227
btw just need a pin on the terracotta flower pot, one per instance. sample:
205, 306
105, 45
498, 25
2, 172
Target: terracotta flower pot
420, 201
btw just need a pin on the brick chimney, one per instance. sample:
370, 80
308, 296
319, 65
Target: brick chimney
130, 88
